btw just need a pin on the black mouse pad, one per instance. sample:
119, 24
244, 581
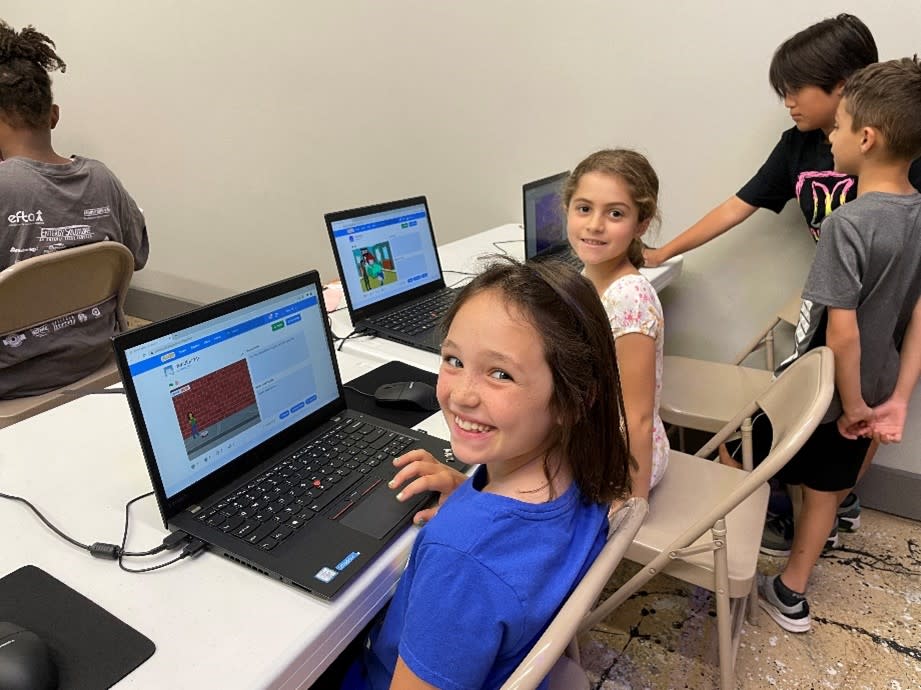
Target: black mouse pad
391, 372
91, 647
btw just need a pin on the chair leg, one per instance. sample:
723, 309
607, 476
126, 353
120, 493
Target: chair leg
752, 610
769, 349
724, 617
748, 460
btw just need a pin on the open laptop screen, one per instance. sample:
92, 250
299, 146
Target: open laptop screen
384, 251
544, 217
212, 391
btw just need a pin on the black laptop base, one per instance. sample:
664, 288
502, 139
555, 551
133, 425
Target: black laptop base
373, 518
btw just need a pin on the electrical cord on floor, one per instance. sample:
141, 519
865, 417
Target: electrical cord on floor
106, 550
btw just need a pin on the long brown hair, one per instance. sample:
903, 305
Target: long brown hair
564, 309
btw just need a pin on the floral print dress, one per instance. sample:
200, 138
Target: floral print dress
633, 306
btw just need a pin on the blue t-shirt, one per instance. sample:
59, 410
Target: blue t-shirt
484, 579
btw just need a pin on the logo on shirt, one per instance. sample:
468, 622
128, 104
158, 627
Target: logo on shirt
68, 233
96, 212
14, 339
25, 218
64, 322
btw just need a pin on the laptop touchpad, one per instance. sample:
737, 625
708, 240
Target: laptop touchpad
380, 512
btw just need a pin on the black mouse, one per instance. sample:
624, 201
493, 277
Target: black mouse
25, 660
407, 394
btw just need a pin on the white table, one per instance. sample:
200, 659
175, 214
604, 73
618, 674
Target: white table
215, 623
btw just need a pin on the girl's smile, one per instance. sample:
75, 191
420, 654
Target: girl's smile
494, 387
601, 221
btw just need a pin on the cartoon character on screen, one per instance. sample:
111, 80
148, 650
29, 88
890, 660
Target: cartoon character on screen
193, 422
374, 269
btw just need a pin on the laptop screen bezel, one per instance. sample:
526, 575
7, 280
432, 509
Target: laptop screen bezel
525, 189
390, 303
171, 506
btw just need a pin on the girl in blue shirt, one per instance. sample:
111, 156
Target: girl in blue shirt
530, 391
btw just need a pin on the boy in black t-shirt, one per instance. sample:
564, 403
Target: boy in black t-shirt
808, 72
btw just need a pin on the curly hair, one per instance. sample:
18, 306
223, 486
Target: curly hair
26, 58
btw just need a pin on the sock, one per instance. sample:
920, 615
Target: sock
785, 594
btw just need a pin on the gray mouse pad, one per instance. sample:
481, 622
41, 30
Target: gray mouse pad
91, 647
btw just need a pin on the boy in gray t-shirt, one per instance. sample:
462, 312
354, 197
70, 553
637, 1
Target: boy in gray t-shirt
49, 203
862, 299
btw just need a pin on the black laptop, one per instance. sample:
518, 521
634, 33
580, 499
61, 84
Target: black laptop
242, 420
390, 271
545, 220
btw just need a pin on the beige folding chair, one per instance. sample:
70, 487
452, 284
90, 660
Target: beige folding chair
556, 653
703, 395
698, 496
53, 285
789, 314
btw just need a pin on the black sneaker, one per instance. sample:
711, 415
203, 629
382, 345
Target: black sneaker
792, 617
777, 537
849, 514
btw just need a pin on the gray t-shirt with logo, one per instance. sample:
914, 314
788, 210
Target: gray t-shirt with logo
868, 259
44, 208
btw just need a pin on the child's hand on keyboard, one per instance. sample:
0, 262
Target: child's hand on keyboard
424, 473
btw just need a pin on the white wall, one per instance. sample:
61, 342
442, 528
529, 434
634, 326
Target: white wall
237, 125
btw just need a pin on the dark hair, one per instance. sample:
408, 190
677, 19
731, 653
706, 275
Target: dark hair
887, 97
564, 309
26, 58
823, 55
639, 175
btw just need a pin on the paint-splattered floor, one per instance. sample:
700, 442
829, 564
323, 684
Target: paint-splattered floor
865, 599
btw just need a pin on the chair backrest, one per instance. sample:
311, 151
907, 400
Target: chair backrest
795, 403
564, 627
53, 285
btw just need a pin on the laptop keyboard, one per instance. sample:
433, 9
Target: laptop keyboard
418, 316
330, 472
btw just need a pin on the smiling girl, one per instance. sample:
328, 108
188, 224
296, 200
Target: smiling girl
610, 199
530, 391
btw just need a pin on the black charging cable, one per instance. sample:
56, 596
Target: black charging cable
103, 549
352, 388
193, 546
498, 242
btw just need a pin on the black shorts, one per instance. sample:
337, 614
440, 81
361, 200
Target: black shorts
826, 462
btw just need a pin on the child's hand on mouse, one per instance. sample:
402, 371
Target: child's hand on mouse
424, 473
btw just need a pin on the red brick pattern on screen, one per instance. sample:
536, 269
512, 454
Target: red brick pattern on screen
215, 396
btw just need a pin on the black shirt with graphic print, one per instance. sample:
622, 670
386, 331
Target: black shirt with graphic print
801, 166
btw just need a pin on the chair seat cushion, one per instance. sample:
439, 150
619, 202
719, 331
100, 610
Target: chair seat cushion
690, 485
